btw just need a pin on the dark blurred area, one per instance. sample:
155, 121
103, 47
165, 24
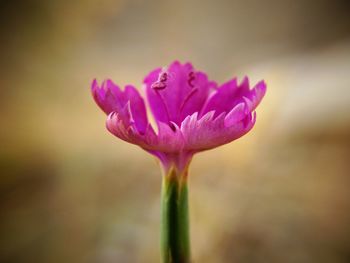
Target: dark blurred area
71, 192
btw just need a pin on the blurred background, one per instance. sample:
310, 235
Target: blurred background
71, 192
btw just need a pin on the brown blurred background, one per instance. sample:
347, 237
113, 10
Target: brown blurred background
71, 192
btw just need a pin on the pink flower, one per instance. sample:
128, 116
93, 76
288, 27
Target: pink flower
192, 113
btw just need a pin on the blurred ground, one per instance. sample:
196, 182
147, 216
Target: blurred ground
70, 192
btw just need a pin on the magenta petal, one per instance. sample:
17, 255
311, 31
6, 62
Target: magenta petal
117, 126
230, 94
255, 95
197, 96
166, 140
105, 99
122, 126
223, 99
111, 99
209, 131
169, 139
176, 92
137, 108
238, 113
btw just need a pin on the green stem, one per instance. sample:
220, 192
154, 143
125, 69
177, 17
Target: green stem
175, 245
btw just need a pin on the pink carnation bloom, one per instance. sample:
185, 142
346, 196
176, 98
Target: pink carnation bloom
192, 113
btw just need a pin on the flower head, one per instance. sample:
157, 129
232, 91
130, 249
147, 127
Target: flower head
192, 113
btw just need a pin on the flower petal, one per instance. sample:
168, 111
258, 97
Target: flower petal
122, 126
230, 94
238, 113
117, 126
106, 95
169, 138
176, 92
210, 131
256, 95
110, 98
223, 99
166, 140
137, 108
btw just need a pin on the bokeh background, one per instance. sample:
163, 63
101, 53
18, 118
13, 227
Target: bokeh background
71, 192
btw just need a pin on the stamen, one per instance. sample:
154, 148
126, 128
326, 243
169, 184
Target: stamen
158, 85
163, 77
161, 82
191, 78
